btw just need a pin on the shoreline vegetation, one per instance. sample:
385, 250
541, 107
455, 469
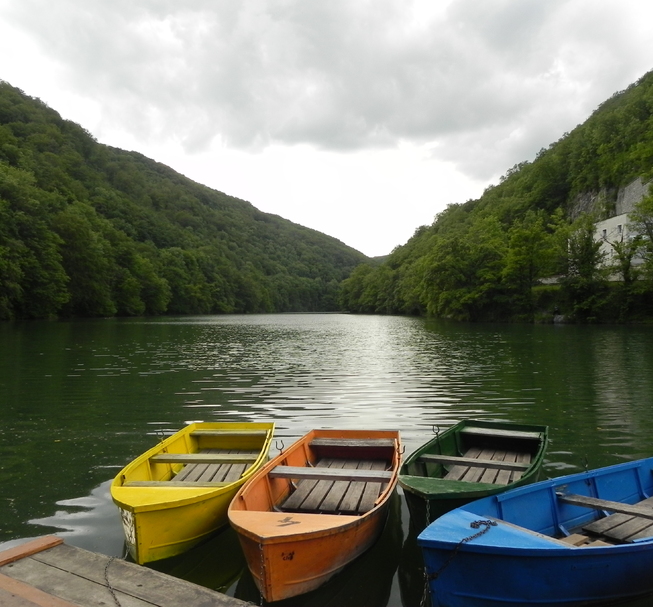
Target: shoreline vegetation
87, 230
528, 250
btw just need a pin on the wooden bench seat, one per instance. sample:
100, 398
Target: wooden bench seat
330, 474
228, 468
229, 433
353, 442
472, 462
174, 483
476, 431
336, 486
501, 472
629, 523
203, 458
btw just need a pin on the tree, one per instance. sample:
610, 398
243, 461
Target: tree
585, 278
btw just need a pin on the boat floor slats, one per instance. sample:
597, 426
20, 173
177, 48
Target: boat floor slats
216, 473
623, 527
581, 540
505, 466
333, 496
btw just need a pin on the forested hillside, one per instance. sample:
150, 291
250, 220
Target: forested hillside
90, 230
526, 248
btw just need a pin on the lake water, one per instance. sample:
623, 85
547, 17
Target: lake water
79, 399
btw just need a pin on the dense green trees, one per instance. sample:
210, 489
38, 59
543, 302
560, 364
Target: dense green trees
491, 258
89, 230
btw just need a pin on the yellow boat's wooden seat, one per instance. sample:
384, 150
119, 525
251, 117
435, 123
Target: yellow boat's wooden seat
230, 433
210, 468
478, 465
335, 486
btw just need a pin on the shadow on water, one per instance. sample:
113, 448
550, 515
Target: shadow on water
366, 582
412, 583
217, 563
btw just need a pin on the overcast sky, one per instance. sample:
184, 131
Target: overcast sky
362, 119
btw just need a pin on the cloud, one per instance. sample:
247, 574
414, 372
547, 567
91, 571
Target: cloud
481, 85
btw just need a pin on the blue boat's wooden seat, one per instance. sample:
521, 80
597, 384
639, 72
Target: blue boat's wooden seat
493, 466
335, 486
634, 522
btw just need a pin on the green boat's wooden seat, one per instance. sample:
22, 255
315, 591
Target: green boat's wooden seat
335, 486
628, 523
498, 433
493, 466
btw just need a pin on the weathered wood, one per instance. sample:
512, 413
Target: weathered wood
80, 577
28, 548
202, 458
304, 488
352, 442
230, 433
314, 501
352, 497
500, 433
174, 483
301, 472
600, 504
15, 593
623, 527
371, 491
477, 463
458, 471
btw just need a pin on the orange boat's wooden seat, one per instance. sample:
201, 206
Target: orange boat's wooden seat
336, 486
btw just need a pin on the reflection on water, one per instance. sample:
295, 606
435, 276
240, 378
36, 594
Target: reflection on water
79, 399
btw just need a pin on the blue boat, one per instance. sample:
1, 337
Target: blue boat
575, 540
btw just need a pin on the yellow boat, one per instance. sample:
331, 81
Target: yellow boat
176, 495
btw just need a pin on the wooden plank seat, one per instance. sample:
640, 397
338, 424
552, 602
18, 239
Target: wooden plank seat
353, 442
229, 433
502, 471
628, 523
330, 474
203, 458
472, 462
211, 467
335, 486
476, 431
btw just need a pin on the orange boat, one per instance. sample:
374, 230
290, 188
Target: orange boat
315, 507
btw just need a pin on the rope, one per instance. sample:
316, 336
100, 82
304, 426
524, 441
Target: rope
486, 524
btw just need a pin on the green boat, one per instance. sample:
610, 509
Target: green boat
468, 461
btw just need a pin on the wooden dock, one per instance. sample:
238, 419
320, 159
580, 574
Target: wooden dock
45, 572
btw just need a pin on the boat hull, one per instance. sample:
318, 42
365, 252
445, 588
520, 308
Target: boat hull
291, 553
160, 519
510, 548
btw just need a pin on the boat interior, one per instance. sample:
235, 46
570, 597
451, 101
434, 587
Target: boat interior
212, 459
343, 476
488, 455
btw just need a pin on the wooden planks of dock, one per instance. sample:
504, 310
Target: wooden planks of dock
46, 572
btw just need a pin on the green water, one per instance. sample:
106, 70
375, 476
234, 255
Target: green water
79, 399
